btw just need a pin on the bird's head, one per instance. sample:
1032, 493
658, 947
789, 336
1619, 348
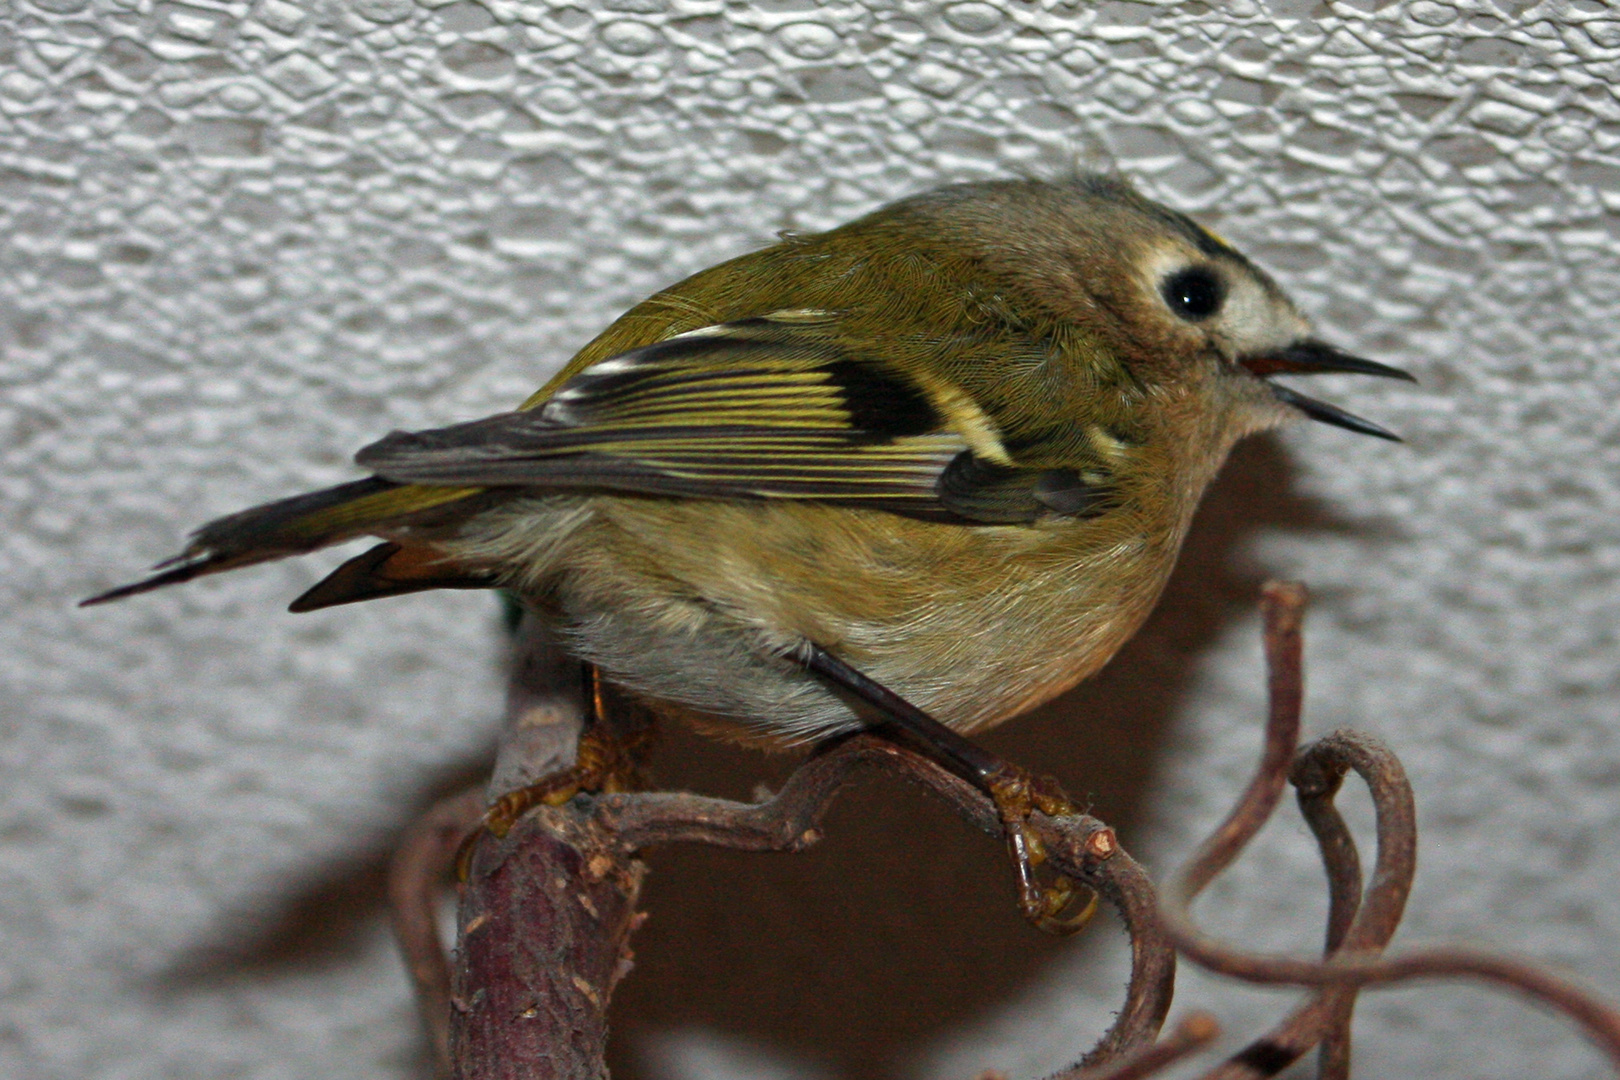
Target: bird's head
1210, 304
1187, 314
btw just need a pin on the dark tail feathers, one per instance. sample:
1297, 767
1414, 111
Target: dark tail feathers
389, 569
272, 531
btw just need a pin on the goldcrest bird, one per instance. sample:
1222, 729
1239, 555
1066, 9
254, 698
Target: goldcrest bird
940, 458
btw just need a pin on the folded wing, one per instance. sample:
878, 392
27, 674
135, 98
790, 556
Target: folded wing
770, 407
773, 407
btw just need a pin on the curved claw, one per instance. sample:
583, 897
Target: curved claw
1043, 904
1017, 794
504, 812
1062, 893
603, 764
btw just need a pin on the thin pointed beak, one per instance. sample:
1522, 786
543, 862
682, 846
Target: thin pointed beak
1312, 357
1331, 414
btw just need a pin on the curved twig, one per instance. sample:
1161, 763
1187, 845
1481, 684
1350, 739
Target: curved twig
1357, 925
1078, 846
1343, 865
1370, 926
1283, 606
1125, 885
1195, 1031
416, 878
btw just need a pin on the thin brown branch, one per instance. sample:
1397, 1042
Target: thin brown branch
1342, 862
1600, 1020
1195, 1031
1340, 858
1125, 885
1283, 607
1318, 773
1078, 846
416, 880
1356, 963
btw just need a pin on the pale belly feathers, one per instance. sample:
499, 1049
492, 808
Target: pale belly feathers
708, 624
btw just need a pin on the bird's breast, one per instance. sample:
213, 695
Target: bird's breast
694, 602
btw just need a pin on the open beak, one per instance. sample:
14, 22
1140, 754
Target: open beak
1312, 357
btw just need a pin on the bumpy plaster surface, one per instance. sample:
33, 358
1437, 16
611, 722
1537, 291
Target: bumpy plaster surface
242, 239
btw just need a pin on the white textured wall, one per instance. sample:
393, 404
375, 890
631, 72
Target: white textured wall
242, 239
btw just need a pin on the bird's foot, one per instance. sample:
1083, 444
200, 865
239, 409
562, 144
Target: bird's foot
604, 764
1018, 793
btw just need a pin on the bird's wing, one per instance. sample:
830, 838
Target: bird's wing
767, 407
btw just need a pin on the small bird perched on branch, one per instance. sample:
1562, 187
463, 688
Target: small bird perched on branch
934, 465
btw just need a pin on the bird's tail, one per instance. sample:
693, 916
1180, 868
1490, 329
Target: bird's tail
300, 524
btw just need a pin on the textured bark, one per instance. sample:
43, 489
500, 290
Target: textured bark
543, 935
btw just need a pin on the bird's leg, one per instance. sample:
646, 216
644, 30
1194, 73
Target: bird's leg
1016, 792
606, 761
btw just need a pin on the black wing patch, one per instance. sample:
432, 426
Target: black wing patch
980, 490
878, 402
770, 407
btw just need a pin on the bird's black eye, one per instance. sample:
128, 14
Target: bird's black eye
1194, 293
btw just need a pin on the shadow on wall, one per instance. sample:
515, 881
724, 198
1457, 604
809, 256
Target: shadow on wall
901, 925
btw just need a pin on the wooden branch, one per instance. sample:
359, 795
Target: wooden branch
545, 717
416, 880
546, 710
1367, 927
1355, 924
547, 912
1342, 862
543, 937
1079, 846
1196, 1031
